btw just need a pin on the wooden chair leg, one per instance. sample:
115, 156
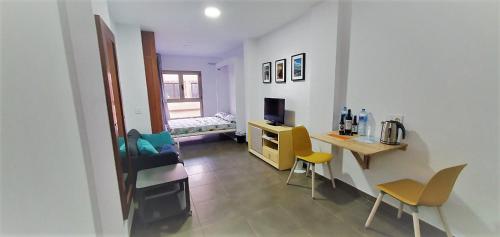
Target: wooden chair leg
331, 173
374, 209
400, 210
416, 222
313, 174
291, 171
445, 224
308, 169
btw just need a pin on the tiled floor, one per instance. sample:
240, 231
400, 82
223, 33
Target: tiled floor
236, 194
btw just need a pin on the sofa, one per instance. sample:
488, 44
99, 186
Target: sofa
165, 153
140, 161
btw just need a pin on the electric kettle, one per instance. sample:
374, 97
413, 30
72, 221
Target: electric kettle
390, 132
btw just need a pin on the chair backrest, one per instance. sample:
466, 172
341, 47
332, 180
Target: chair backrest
438, 189
301, 141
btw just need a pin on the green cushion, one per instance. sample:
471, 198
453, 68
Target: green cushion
158, 140
123, 150
145, 147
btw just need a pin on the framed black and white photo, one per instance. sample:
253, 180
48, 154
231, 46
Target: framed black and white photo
280, 70
298, 67
266, 72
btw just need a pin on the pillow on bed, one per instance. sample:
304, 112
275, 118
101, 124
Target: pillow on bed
221, 115
230, 118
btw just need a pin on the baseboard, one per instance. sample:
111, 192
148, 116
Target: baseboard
384, 207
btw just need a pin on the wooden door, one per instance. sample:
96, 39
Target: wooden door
152, 81
109, 65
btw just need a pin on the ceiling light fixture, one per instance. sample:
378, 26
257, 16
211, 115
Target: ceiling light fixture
212, 12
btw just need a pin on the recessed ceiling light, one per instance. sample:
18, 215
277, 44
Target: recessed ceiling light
212, 12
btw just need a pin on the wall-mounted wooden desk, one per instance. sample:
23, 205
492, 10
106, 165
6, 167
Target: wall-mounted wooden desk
361, 151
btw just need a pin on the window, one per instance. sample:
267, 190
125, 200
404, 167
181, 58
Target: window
182, 94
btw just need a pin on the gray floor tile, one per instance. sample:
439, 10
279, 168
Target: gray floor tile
234, 227
207, 192
173, 226
202, 179
236, 194
189, 233
273, 221
217, 210
199, 168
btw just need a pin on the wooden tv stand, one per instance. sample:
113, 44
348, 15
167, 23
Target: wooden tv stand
273, 144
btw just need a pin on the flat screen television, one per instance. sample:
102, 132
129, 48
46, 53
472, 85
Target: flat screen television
274, 110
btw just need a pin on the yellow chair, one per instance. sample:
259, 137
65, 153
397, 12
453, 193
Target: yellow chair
303, 151
415, 194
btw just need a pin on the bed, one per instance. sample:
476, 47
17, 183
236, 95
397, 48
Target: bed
219, 123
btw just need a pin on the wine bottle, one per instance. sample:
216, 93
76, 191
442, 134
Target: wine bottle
348, 123
355, 125
343, 112
341, 125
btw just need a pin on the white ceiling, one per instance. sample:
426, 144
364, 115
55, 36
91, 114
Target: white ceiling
181, 27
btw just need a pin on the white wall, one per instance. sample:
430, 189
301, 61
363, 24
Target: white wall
66, 178
440, 72
131, 69
132, 77
214, 82
231, 74
498, 99
44, 185
233, 63
100, 7
311, 100
90, 103
250, 67
1, 101
240, 94
223, 90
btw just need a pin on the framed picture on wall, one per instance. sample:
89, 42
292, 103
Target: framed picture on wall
280, 69
266, 72
298, 67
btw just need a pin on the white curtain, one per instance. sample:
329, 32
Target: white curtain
164, 107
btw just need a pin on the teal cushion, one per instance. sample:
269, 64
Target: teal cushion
123, 151
121, 141
145, 147
158, 140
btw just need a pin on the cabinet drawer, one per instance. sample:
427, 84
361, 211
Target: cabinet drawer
265, 152
271, 154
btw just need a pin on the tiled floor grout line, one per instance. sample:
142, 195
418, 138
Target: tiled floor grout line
292, 216
226, 189
196, 211
252, 228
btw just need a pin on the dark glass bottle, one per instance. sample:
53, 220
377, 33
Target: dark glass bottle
348, 123
355, 125
341, 125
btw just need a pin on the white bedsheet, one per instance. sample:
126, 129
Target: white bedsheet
195, 125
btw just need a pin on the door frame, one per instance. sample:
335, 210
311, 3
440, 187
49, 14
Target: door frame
126, 189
